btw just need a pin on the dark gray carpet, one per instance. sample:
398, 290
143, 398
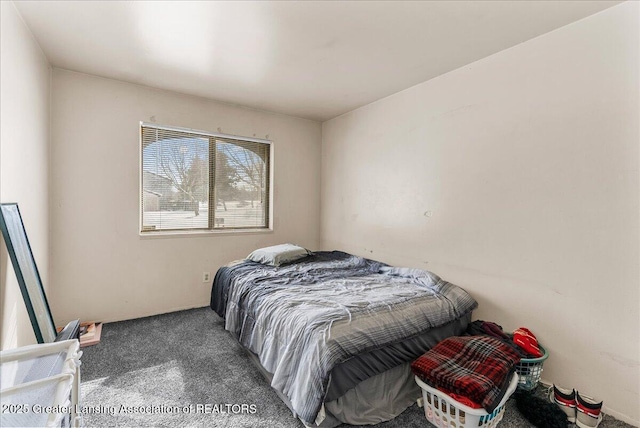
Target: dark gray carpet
174, 362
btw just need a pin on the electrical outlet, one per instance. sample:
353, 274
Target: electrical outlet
206, 276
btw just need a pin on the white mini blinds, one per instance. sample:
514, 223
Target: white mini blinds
194, 180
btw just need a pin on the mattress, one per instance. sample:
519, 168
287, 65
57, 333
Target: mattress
325, 324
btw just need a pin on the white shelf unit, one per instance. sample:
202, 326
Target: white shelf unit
40, 385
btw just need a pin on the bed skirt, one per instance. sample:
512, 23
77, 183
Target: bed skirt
382, 396
375, 400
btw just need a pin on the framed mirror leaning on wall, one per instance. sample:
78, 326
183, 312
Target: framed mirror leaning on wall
24, 266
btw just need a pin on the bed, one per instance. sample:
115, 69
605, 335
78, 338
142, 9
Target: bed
335, 333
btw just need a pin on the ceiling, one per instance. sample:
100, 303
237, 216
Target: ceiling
312, 59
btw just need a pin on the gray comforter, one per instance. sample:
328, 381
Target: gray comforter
305, 318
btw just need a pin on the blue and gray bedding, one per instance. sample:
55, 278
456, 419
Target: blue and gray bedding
305, 318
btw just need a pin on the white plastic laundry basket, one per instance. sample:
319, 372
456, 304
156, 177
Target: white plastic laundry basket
445, 412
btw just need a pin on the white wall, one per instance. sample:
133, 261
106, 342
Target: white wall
24, 161
527, 163
102, 270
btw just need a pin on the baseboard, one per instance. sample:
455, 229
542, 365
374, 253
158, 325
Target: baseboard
150, 314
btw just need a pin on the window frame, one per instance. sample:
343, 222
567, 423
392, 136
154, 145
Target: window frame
210, 230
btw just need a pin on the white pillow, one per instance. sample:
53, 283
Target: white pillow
278, 255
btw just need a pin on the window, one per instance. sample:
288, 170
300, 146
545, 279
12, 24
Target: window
193, 180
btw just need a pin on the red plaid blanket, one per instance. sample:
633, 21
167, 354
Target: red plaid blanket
477, 367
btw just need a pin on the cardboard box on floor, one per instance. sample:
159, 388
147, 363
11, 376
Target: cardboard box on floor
92, 334
89, 333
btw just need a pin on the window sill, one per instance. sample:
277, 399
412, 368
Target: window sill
201, 233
